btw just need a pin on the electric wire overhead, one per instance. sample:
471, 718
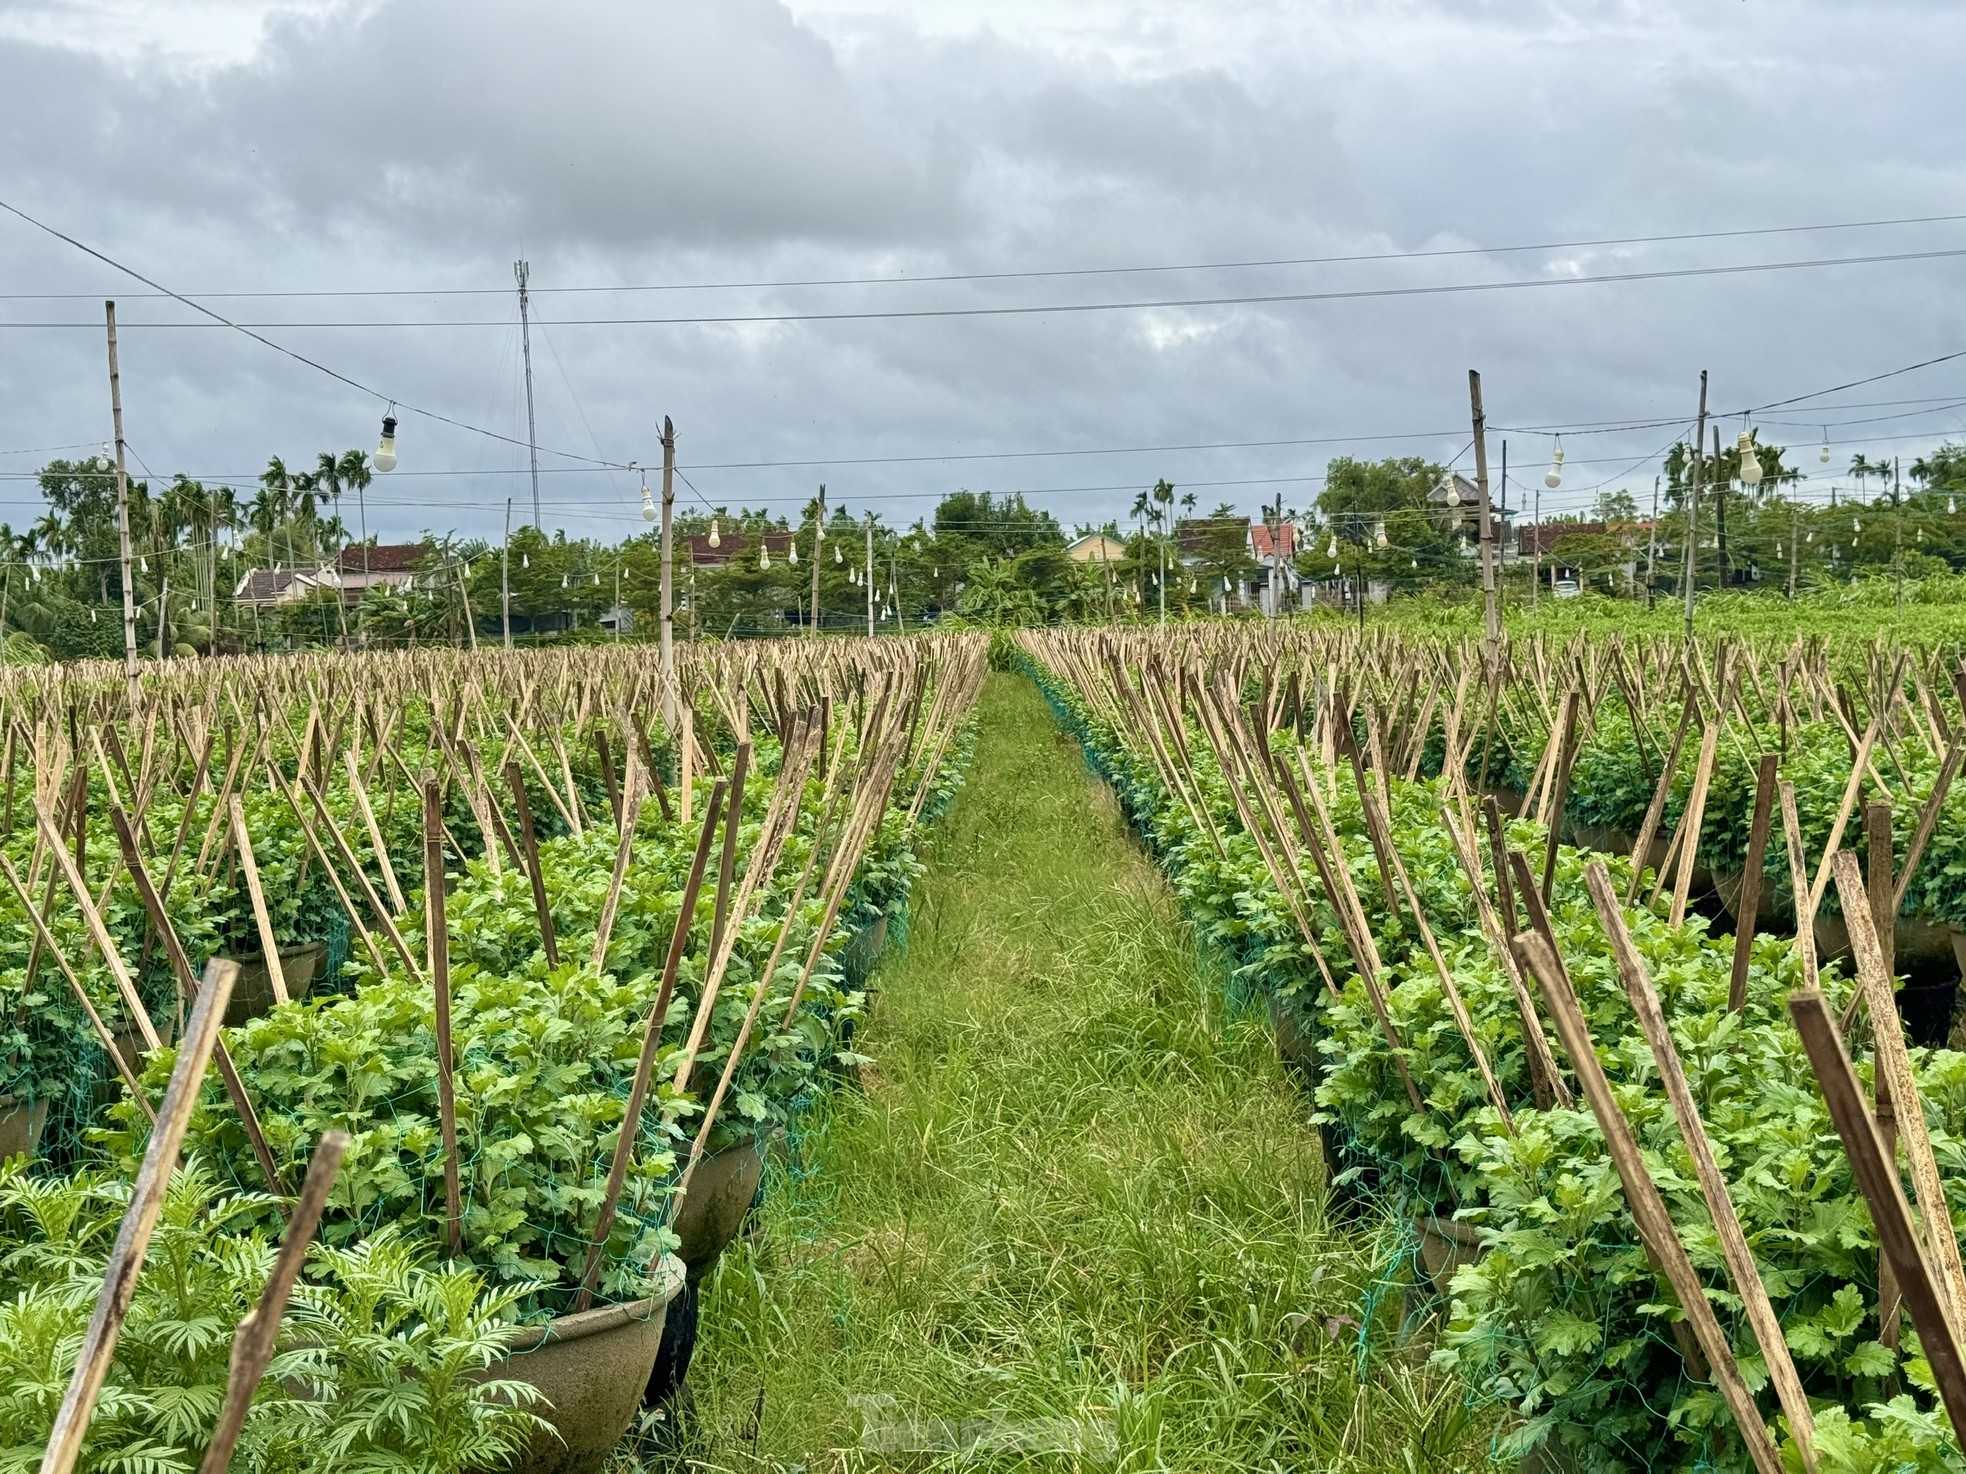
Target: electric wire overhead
1042, 273
218, 320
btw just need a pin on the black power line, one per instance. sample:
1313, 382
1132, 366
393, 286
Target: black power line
1033, 310
1043, 273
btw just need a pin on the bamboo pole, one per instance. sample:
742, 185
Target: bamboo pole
436, 937
253, 1342
133, 1236
1648, 1209
1734, 1250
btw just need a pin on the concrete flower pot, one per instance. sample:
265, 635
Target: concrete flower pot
721, 1191
1294, 1042
20, 1126
252, 994
592, 1368
1445, 1245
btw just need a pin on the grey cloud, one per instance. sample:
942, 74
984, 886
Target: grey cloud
418, 144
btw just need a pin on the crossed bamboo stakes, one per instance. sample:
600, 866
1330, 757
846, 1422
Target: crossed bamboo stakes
1222, 695
863, 728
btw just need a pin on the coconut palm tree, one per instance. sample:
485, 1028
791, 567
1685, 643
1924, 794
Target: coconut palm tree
1862, 467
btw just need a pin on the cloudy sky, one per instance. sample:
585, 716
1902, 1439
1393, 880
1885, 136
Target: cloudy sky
734, 209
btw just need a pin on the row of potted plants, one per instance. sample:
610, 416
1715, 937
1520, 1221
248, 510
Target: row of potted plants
1553, 1308
544, 1058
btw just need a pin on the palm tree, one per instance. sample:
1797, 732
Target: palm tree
1862, 466
269, 508
352, 472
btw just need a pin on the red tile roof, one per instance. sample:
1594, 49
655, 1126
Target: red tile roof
1259, 537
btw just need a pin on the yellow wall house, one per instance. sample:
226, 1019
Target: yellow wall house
1095, 547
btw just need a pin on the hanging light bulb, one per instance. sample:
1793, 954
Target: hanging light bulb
1750, 459
648, 504
105, 460
143, 565
385, 448
716, 537
1331, 552
563, 580
1414, 561
793, 556
1553, 478
836, 555
525, 560
1823, 455
1811, 537
1191, 585
1856, 524
597, 578
1453, 490
764, 554
92, 615
1379, 533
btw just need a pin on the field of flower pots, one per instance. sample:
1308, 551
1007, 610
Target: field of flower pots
463, 994
1681, 1190
473, 1063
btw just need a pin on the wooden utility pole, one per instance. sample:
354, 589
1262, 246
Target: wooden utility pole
522, 271
1693, 506
1898, 535
1491, 615
818, 542
1795, 534
1725, 575
870, 575
123, 516
669, 575
505, 576
1276, 561
1652, 545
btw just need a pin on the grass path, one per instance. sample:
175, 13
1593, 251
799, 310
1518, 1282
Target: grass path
1078, 1191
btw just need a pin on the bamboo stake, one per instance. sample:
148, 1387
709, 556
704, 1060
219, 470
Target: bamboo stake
253, 1342
1877, 1177
53, 948
436, 939
517, 781
235, 1087
632, 812
360, 793
1893, 1063
249, 867
133, 1237
1734, 1249
631, 1113
1648, 1209
1747, 906
733, 823
1691, 821
98, 931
